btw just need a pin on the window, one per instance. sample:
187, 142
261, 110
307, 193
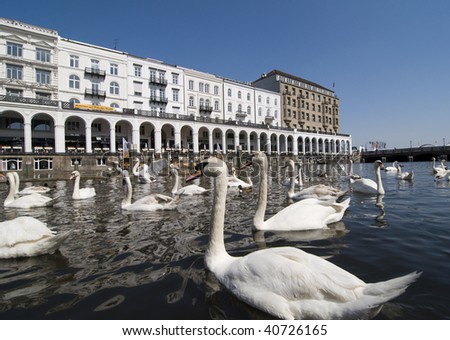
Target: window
11, 163
275, 101
162, 77
175, 78
96, 127
43, 76
101, 161
95, 64
74, 82
137, 70
239, 108
260, 112
191, 84
216, 90
73, 126
74, 61
14, 49
267, 100
114, 69
239, 95
114, 88
216, 105
14, 71
229, 92
230, 107
259, 99
43, 164
191, 101
152, 74
206, 88
43, 55
200, 87
73, 100
14, 92
137, 88
175, 95
115, 105
202, 103
248, 96
249, 110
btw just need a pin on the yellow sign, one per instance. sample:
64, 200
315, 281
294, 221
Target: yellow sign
93, 107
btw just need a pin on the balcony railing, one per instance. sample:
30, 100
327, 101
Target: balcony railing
157, 81
25, 100
205, 108
95, 93
95, 72
158, 99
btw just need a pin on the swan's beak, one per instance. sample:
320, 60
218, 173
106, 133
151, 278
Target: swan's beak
198, 173
246, 165
72, 177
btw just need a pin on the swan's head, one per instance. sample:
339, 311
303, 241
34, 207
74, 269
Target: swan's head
74, 174
213, 167
378, 164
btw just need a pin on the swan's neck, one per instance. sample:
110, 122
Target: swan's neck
258, 219
127, 199
16, 182
176, 184
291, 182
300, 175
135, 168
380, 188
12, 191
76, 187
216, 247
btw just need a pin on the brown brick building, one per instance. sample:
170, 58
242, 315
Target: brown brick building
305, 105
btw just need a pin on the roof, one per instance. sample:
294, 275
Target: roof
287, 75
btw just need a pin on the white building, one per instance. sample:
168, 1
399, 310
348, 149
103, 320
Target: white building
59, 96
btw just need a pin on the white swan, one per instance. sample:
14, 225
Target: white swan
367, 185
303, 215
27, 201
35, 189
26, 236
392, 168
152, 202
442, 175
237, 183
189, 190
438, 170
407, 176
289, 168
80, 194
287, 282
143, 174
319, 191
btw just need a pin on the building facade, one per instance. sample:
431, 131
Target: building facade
59, 96
305, 105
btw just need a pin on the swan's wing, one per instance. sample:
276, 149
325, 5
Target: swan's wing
22, 229
153, 200
295, 276
301, 216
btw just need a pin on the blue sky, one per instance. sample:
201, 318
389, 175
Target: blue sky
389, 60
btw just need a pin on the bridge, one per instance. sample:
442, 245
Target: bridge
413, 154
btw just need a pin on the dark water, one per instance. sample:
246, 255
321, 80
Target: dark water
140, 265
